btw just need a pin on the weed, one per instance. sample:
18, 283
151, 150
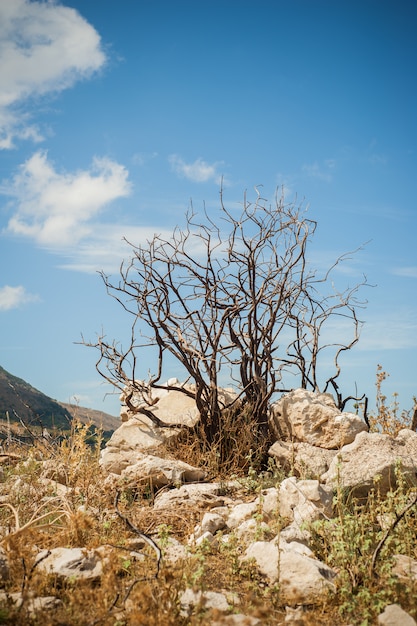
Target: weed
388, 419
360, 542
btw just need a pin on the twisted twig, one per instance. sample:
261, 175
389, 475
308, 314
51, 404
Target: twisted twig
142, 535
380, 545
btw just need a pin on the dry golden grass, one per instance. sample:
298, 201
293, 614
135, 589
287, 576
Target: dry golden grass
36, 514
388, 419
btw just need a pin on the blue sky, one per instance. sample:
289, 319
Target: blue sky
114, 115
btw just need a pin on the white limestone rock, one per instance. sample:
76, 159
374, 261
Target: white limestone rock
394, 615
372, 458
160, 472
237, 619
71, 563
4, 566
141, 435
203, 599
301, 459
304, 500
204, 495
301, 578
405, 568
314, 418
252, 529
240, 513
33, 604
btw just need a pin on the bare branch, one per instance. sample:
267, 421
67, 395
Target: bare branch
234, 294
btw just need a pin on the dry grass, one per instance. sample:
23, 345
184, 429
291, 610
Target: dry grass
240, 451
37, 514
388, 418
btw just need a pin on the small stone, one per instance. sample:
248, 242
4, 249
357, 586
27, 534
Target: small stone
212, 522
240, 513
394, 615
71, 562
405, 568
203, 599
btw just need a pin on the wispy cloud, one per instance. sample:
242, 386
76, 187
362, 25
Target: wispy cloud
320, 171
106, 247
15, 297
407, 272
141, 158
57, 209
44, 48
198, 172
373, 155
377, 159
394, 330
285, 184
389, 331
347, 263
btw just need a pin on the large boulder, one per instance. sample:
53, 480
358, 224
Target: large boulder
303, 501
168, 400
301, 459
158, 472
140, 434
372, 460
164, 403
313, 418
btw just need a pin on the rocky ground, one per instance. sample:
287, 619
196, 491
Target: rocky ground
134, 535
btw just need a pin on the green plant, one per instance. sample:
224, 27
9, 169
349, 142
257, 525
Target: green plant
359, 544
254, 480
164, 534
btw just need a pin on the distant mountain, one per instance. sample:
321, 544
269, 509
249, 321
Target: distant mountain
22, 401
98, 418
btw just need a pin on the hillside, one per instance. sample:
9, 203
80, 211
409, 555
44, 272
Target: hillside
20, 400
98, 418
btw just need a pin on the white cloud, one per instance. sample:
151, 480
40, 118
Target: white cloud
407, 272
62, 212
14, 297
44, 48
199, 171
56, 209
